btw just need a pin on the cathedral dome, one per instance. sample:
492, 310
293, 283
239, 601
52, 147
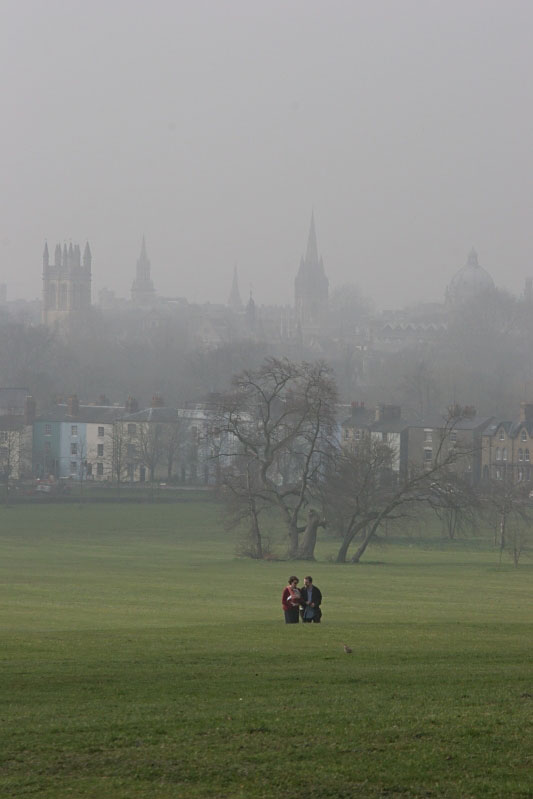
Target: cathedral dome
470, 281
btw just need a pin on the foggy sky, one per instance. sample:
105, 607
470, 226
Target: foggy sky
214, 127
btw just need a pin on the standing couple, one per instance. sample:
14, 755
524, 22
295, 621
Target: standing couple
304, 602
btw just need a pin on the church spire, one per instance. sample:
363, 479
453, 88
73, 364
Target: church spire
311, 254
234, 300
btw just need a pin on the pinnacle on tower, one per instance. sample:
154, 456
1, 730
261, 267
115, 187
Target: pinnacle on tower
46, 256
234, 300
57, 255
311, 254
87, 257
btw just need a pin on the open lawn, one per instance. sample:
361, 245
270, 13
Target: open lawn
140, 658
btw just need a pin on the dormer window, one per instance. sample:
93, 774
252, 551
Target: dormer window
502, 435
523, 436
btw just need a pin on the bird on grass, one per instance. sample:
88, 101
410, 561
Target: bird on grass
347, 649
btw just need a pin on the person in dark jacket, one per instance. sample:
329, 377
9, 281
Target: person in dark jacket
310, 601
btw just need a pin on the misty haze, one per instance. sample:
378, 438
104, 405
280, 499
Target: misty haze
266, 312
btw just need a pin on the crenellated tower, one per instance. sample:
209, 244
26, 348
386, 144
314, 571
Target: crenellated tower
311, 288
66, 283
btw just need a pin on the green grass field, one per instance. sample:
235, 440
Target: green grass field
140, 658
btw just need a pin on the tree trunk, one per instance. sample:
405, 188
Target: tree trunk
293, 540
257, 544
368, 536
307, 547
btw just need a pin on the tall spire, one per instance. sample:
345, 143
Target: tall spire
311, 254
46, 256
87, 257
234, 300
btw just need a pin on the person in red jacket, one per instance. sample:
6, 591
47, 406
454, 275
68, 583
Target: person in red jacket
290, 601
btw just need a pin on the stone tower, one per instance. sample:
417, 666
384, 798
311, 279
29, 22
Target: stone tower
142, 289
66, 283
311, 288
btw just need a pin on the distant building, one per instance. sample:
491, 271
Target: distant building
234, 299
74, 440
66, 284
142, 289
508, 448
17, 412
471, 281
311, 289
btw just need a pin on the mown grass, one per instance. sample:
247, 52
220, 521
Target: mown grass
140, 658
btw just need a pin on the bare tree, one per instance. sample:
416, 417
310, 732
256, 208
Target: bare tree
151, 439
507, 505
455, 502
119, 450
244, 502
173, 438
361, 492
10, 444
282, 415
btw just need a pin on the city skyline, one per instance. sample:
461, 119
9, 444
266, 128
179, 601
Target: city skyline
405, 127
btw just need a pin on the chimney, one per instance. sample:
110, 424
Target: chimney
73, 406
157, 401
386, 413
131, 405
29, 410
357, 408
526, 411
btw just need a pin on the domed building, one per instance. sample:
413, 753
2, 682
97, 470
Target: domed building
469, 282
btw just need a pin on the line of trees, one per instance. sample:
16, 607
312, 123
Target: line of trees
286, 460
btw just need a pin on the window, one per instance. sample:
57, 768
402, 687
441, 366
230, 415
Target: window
132, 429
73, 449
357, 435
3, 436
520, 475
48, 429
498, 454
100, 469
100, 450
520, 454
498, 474
428, 455
527, 455
101, 432
47, 447
523, 435
89, 469
73, 429
428, 436
453, 436
505, 453
502, 435
131, 450
73, 467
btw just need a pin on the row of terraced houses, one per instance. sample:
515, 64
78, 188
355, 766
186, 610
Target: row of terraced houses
103, 442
